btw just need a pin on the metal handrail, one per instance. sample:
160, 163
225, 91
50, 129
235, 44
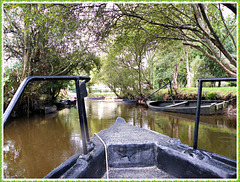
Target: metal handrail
201, 80
80, 91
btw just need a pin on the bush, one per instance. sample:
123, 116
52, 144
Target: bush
232, 84
212, 96
157, 97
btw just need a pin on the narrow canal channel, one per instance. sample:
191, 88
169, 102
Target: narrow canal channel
34, 146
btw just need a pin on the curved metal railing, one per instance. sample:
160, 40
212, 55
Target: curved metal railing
80, 91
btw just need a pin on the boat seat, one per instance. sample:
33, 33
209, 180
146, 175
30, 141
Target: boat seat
177, 104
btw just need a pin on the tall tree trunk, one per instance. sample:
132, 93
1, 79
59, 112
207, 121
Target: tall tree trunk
189, 75
139, 77
26, 53
114, 90
175, 75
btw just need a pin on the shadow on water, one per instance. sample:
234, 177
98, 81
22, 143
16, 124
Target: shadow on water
35, 146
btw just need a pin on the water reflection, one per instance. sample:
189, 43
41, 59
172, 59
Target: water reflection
34, 146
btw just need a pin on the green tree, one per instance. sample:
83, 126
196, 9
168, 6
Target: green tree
128, 58
202, 67
43, 39
200, 26
170, 61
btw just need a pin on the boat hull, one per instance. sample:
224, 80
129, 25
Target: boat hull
189, 107
95, 98
132, 150
48, 109
65, 103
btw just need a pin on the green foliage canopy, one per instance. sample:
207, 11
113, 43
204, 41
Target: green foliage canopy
44, 39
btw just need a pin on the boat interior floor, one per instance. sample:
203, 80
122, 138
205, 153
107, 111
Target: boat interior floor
151, 172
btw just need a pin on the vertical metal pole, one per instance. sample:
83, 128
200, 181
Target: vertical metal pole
85, 119
195, 142
81, 117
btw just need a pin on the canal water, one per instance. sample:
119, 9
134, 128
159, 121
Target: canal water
34, 146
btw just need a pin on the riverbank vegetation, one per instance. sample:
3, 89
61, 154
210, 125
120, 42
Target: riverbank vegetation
208, 93
133, 48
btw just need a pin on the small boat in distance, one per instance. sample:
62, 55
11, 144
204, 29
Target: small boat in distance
208, 107
95, 98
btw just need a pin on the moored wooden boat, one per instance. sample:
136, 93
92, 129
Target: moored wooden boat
65, 103
130, 101
72, 102
48, 109
129, 152
208, 107
118, 100
96, 98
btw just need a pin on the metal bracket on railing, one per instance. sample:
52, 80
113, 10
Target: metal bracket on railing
81, 93
195, 141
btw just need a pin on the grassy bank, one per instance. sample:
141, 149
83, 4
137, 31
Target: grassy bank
208, 93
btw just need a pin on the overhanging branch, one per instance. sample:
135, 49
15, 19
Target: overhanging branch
216, 40
226, 68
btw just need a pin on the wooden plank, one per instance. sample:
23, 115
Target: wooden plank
177, 104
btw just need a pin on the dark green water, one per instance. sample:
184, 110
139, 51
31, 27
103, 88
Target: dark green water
32, 147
